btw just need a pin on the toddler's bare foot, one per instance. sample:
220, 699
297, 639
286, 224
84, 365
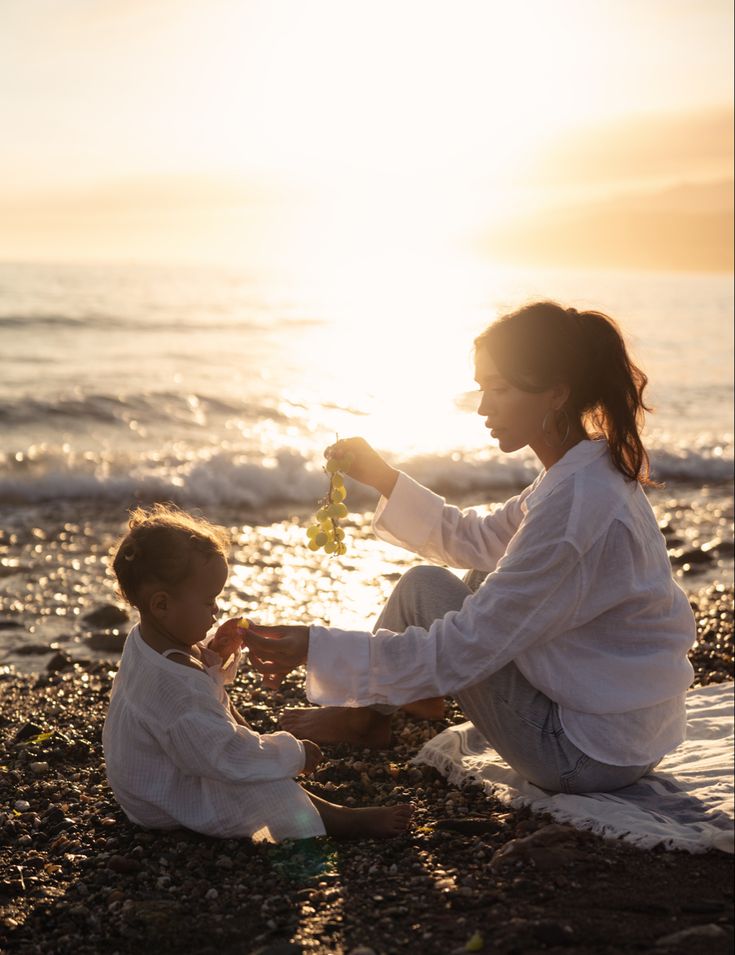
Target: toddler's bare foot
339, 724
374, 822
429, 709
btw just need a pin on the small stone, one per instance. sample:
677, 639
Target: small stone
212, 894
60, 661
38, 769
21, 805
31, 649
107, 641
27, 731
224, 862
697, 933
553, 933
551, 847
106, 616
123, 864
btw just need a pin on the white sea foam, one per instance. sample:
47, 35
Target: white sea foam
290, 480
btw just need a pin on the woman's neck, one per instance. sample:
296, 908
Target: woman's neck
549, 456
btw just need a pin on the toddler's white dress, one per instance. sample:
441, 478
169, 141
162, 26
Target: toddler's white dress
175, 756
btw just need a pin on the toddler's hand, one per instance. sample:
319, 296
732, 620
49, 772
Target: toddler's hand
227, 639
313, 757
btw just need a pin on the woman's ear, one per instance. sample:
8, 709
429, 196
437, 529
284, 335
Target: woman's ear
158, 604
559, 396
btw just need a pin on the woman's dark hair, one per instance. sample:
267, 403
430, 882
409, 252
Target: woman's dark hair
544, 344
159, 548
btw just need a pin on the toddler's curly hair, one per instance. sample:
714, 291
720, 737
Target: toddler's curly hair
159, 548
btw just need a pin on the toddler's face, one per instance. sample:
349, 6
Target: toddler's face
193, 608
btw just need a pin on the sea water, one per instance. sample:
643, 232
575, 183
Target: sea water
218, 386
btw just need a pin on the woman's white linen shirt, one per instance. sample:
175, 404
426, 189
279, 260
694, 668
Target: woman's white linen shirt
580, 595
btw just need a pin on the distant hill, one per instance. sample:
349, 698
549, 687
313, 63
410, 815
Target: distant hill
687, 227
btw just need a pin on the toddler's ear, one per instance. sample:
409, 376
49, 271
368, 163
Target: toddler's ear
158, 603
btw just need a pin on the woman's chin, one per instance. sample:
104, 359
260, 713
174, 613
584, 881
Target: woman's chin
506, 444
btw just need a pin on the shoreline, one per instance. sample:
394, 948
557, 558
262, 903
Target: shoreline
54, 574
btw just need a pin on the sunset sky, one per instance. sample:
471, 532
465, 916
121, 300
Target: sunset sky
233, 130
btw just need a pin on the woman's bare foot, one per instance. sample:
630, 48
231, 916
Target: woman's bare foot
374, 822
339, 724
429, 709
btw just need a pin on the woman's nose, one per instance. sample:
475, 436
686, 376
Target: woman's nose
484, 407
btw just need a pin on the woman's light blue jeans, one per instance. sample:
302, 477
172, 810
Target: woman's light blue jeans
519, 722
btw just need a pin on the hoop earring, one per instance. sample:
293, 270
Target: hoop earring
556, 441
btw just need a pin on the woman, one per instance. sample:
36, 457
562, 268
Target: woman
571, 655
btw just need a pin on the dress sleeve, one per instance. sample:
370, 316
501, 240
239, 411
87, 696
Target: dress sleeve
421, 521
530, 598
206, 742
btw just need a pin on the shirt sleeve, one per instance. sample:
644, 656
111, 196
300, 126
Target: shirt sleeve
206, 742
421, 521
529, 599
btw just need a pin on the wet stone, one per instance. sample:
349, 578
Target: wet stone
61, 660
106, 617
110, 641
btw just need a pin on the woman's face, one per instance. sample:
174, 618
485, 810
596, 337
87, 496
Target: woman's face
514, 417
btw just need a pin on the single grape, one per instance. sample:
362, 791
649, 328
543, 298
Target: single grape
313, 545
330, 547
321, 539
322, 514
339, 534
337, 510
312, 531
338, 494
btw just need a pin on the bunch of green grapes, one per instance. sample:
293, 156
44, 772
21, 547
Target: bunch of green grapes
325, 533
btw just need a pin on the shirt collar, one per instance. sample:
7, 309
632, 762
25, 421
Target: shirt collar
578, 457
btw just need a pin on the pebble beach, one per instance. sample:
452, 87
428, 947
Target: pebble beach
469, 875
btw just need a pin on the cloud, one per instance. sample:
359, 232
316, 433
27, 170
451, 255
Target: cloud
655, 146
688, 227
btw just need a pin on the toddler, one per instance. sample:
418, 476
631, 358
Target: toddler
177, 752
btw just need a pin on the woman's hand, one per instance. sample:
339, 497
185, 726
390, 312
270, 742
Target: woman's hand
275, 651
313, 757
364, 464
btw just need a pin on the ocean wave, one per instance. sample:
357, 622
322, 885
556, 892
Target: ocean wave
146, 323
288, 480
40, 320
159, 408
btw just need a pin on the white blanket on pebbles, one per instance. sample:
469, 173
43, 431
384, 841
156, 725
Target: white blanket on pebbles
685, 803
